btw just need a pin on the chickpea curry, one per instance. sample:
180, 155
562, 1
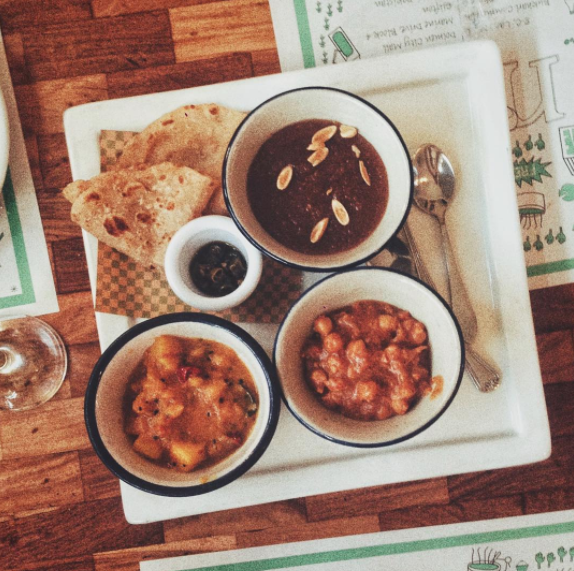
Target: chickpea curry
368, 361
189, 403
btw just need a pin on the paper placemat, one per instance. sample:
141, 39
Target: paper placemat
524, 543
26, 281
536, 40
125, 287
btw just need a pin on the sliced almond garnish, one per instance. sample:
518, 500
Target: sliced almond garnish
348, 132
356, 150
285, 177
364, 173
340, 212
319, 230
318, 156
315, 146
324, 134
329, 191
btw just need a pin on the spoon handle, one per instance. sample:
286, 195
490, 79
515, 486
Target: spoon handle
484, 376
459, 299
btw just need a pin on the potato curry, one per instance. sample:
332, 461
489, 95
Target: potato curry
189, 403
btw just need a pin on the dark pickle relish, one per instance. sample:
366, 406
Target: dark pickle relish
217, 269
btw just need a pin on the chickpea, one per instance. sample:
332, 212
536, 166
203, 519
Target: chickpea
333, 343
388, 323
319, 379
357, 350
334, 364
417, 333
366, 390
323, 325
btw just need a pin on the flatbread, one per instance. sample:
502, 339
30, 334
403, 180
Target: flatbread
195, 136
138, 210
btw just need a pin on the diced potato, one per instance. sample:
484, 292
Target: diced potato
166, 354
147, 446
194, 381
219, 360
134, 425
187, 455
213, 390
172, 408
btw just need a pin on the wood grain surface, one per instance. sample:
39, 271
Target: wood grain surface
60, 509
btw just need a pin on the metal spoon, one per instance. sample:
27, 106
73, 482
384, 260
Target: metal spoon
434, 189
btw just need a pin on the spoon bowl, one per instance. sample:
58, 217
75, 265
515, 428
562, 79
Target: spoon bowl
434, 181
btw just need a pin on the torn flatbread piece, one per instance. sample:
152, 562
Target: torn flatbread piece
138, 210
195, 136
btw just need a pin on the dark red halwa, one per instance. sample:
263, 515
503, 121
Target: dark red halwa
368, 361
290, 214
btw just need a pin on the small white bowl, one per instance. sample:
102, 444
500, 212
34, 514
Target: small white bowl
185, 244
104, 406
333, 105
379, 284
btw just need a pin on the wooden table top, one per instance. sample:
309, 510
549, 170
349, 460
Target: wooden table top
60, 509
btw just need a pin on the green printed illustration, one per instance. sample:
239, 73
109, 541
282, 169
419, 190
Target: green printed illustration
549, 237
566, 192
540, 144
530, 171
538, 244
568, 41
567, 143
527, 245
531, 207
15, 276
529, 145
517, 151
561, 237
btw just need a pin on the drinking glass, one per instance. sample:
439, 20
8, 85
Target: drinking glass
33, 363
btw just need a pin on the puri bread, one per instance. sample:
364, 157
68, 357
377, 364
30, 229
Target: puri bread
137, 210
195, 136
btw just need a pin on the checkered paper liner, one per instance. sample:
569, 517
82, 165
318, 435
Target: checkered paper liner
125, 287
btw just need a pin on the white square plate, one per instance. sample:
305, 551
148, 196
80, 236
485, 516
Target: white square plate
454, 97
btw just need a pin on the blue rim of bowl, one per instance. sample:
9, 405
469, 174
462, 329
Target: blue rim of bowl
180, 491
410, 434
279, 258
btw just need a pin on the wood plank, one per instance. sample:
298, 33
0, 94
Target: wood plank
375, 500
128, 559
553, 308
33, 152
556, 354
56, 222
560, 403
57, 426
265, 62
54, 162
549, 500
107, 8
64, 564
215, 29
100, 46
82, 358
554, 473
22, 14
99, 482
74, 329
78, 531
40, 482
264, 516
14, 47
456, 512
316, 530
41, 105
71, 270
189, 74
